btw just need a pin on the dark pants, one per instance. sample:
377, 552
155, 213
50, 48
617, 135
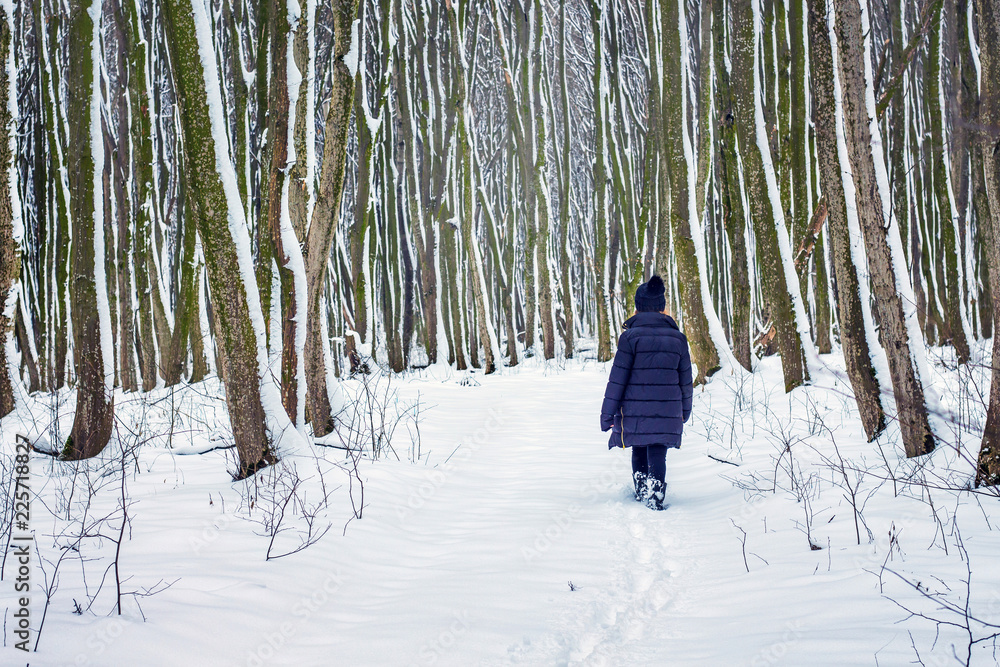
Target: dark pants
650, 461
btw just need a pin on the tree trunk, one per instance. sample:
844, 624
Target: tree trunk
121, 176
538, 115
226, 244
487, 336
601, 291
326, 215
853, 338
733, 215
980, 201
950, 288
988, 472
186, 313
10, 260
566, 189
799, 168
423, 234
94, 418
142, 176
909, 393
703, 352
777, 292
361, 235
277, 210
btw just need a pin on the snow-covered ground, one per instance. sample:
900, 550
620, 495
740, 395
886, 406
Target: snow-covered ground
498, 529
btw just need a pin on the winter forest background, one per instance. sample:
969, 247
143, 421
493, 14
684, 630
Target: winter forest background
274, 234
285, 193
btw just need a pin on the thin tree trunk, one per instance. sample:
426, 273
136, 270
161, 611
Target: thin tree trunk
142, 177
58, 268
487, 337
10, 260
41, 189
733, 215
326, 215
282, 235
361, 233
703, 352
539, 117
567, 190
981, 204
600, 258
910, 406
988, 472
186, 313
120, 175
28, 360
897, 132
777, 292
423, 235
521, 116
950, 288
799, 168
226, 245
853, 338
91, 320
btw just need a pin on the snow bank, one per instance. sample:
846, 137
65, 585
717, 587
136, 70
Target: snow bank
512, 538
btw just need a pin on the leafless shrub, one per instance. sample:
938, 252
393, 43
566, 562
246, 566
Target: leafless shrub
850, 477
277, 499
369, 422
948, 606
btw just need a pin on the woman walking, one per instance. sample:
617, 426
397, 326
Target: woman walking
648, 398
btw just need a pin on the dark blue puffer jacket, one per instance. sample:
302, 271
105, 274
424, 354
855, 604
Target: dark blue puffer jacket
648, 398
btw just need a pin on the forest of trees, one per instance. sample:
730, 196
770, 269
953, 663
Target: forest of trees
284, 192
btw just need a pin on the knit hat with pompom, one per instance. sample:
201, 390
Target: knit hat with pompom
651, 296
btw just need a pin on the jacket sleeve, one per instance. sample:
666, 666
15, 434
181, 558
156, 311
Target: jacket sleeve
685, 381
621, 370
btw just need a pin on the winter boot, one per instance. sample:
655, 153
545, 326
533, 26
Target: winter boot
641, 486
655, 494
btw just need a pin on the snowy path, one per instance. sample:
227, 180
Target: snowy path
472, 564
469, 561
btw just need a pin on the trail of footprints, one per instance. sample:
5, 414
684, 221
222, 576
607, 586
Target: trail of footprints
600, 630
642, 588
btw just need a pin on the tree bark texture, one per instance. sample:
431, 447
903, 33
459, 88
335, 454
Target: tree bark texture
853, 339
988, 470
733, 215
94, 417
234, 330
950, 289
703, 352
326, 215
776, 291
10, 260
909, 392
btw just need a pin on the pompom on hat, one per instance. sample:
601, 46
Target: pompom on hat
651, 296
